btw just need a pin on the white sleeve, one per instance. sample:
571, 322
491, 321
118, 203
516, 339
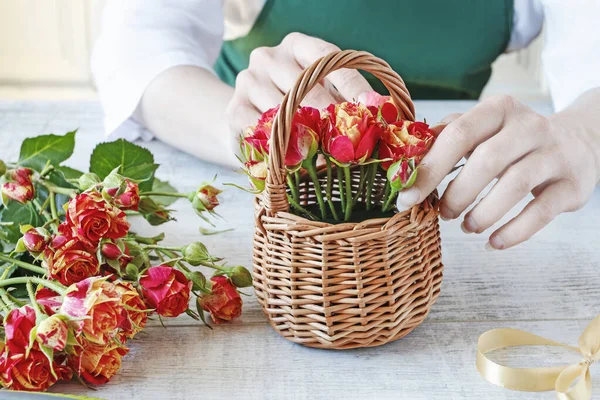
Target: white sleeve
142, 38
571, 56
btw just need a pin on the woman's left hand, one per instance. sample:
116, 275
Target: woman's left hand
556, 158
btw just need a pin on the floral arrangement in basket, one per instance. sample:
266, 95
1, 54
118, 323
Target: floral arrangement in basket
76, 284
347, 135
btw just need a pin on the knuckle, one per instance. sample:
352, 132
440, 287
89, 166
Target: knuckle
245, 79
458, 133
538, 123
519, 180
259, 55
488, 159
545, 210
576, 193
505, 102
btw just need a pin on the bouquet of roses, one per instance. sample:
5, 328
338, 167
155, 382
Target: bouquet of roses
75, 282
350, 135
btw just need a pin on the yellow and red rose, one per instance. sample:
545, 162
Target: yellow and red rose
224, 302
166, 290
20, 187
135, 316
97, 364
69, 260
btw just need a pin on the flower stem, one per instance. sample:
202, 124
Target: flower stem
298, 207
165, 194
328, 189
53, 209
57, 189
22, 264
6, 300
297, 180
361, 185
389, 201
293, 188
348, 180
60, 289
312, 172
4, 307
33, 300
341, 187
386, 193
372, 173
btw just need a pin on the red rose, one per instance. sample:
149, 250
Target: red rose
351, 133
32, 373
224, 303
96, 308
20, 188
90, 218
17, 327
69, 261
134, 314
97, 364
405, 139
129, 198
167, 290
49, 300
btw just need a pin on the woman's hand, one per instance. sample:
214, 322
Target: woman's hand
274, 70
556, 158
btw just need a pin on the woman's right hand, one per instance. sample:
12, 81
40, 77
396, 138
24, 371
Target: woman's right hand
273, 71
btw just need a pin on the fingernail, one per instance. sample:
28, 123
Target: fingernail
497, 242
446, 213
409, 197
469, 225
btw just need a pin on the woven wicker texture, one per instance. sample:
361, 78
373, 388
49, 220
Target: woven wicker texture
345, 285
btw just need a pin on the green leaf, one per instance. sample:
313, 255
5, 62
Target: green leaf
163, 187
19, 214
37, 151
63, 176
130, 160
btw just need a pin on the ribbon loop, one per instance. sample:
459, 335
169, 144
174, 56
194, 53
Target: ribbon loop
571, 382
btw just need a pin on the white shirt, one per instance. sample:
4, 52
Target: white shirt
142, 38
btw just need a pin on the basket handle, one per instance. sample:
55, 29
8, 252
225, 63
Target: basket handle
274, 196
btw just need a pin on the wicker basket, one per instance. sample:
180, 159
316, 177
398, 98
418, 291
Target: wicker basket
346, 285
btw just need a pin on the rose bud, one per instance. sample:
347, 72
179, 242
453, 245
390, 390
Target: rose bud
241, 277
53, 332
32, 373
91, 218
402, 174
95, 308
205, 199
126, 197
35, 240
257, 172
167, 290
224, 302
351, 133
88, 181
97, 364
111, 251
158, 217
20, 188
196, 253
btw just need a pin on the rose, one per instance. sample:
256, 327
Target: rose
304, 137
134, 314
205, 199
110, 251
95, 307
97, 364
91, 218
224, 302
53, 332
49, 300
19, 188
405, 139
128, 199
351, 133
69, 261
167, 290
17, 328
32, 372
35, 240
257, 172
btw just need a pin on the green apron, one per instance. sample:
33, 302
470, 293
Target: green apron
442, 48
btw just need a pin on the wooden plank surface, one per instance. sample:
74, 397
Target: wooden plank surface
550, 286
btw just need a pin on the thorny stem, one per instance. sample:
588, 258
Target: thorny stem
22, 264
348, 179
329, 189
312, 172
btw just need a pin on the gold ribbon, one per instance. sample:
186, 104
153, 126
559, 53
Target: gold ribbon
571, 382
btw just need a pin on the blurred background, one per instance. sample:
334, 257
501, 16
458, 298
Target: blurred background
45, 48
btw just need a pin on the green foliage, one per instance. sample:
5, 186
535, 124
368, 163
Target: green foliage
163, 187
39, 150
130, 160
18, 214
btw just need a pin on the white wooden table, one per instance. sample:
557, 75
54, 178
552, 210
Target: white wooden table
549, 286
